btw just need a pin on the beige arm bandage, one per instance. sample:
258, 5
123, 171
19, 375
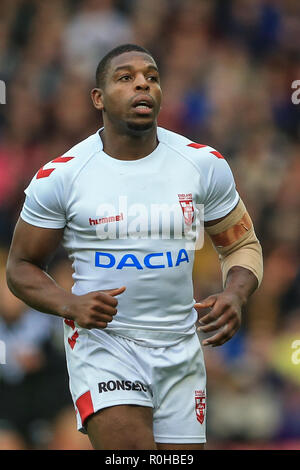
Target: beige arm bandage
236, 243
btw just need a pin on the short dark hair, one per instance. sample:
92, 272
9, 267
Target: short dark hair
105, 61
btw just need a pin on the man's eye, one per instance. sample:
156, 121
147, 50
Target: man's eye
153, 78
125, 78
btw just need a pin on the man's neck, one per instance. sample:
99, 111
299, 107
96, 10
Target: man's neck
124, 146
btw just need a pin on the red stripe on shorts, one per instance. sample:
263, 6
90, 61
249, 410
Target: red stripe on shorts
72, 340
85, 406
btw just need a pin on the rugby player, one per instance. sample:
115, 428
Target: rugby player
137, 375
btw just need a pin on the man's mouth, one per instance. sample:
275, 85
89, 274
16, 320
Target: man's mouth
143, 105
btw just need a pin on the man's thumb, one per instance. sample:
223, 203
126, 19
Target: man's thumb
114, 292
206, 303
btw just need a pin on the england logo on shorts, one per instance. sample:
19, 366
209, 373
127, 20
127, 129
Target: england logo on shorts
200, 405
186, 202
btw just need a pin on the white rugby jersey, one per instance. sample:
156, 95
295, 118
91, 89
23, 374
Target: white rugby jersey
129, 223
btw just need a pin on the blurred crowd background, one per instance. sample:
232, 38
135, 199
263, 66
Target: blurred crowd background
227, 69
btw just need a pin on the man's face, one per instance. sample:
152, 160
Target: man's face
131, 96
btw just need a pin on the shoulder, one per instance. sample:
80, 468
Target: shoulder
202, 156
68, 164
216, 179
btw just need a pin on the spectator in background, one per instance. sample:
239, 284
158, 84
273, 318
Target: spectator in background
35, 407
96, 28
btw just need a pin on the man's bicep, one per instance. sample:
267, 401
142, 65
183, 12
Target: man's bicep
33, 244
236, 243
228, 230
221, 195
209, 223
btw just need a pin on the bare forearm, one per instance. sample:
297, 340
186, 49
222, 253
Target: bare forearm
242, 282
36, 288
31, 247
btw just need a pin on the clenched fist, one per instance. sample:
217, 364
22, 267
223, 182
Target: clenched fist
93, 310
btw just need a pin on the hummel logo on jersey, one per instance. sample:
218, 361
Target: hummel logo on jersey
105, 220
113, 385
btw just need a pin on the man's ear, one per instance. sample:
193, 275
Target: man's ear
97, 98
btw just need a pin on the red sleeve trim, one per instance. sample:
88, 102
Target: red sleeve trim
196, 146
200, 146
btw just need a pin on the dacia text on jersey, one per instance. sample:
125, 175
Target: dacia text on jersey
129, 260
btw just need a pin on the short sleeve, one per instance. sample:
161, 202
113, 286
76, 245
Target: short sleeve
221, 194
44, 203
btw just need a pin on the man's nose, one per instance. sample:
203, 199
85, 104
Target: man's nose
141, 83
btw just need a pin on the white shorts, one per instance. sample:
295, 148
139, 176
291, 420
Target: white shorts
109, 370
